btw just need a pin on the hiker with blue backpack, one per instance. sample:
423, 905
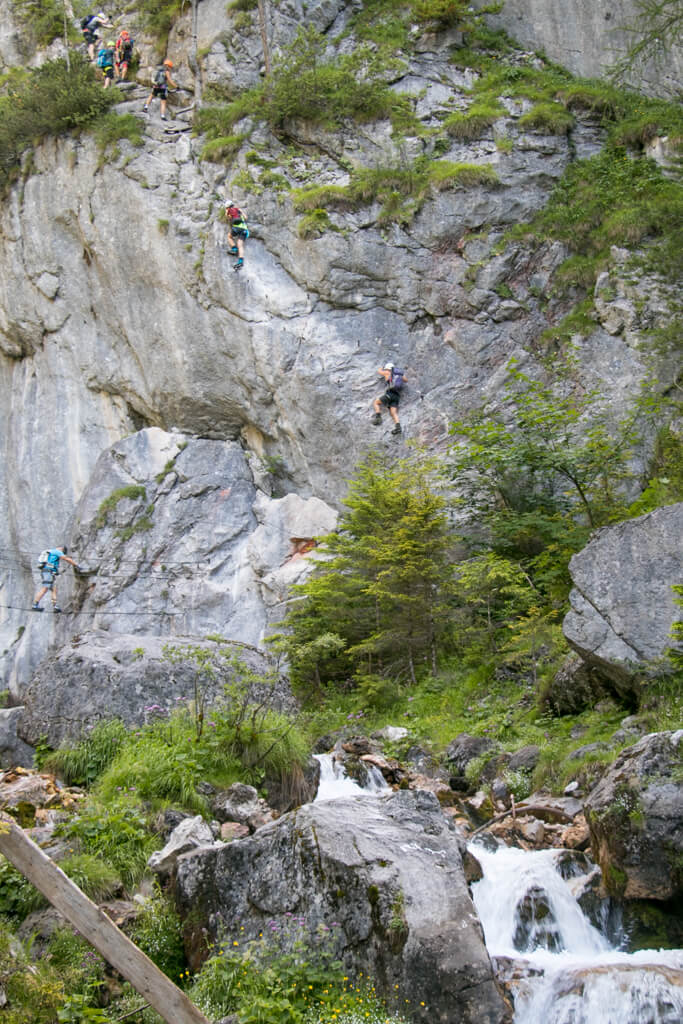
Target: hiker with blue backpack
89, 26
48, 563
105, 62
395, 379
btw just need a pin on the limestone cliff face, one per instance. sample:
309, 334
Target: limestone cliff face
589, 37
121, 318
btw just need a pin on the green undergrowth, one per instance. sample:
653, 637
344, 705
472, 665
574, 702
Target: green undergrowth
112, 128
401, 191
49, 101
306, 84
43, 21
131, 492
286, 975
486, 700
163, 762
159, 17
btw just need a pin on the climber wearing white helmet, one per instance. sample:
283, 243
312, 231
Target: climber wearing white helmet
395, 379
89, 27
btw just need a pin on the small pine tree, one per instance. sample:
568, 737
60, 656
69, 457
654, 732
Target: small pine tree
377, 604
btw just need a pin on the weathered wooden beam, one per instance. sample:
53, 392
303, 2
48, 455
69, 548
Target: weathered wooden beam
94, 925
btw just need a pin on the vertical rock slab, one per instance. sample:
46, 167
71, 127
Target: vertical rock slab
622, 604
383, 874
635, 817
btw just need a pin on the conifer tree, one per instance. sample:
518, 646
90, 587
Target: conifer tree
377, 604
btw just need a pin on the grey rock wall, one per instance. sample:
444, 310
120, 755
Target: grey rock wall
112, 324
588, 37
623, 605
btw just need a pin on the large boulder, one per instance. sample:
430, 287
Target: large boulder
190, 834
635, 816
622, 604
13, 750
384, 874
104, 675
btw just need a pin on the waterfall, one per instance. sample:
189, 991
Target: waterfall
335, 783
561, 969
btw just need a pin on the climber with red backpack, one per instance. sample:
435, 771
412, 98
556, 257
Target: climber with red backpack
238, 232
123, 54
395, 379
162, 81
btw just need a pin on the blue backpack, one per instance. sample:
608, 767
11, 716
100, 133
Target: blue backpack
397, 380
105, 59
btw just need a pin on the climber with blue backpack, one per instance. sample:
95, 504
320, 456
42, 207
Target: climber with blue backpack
395, 379
48, 563
105, 61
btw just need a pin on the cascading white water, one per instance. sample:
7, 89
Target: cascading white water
565, 971
335, 783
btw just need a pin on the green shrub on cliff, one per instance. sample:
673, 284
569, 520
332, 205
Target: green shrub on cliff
50, 100
44, 20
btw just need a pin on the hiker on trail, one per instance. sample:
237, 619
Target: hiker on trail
395, 380
89, 27
123, 54
162, 81
48, 563
105, 61
238, 232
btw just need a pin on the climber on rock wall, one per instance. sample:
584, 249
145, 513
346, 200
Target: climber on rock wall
124, 54
48, 563
89, 27
395, 379
160, 86
105, 61
238, 232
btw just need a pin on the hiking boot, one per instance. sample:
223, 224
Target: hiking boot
145, 109
397, 429
238, 265
36, 608
234, 251
376, 419
56, 608
163, 117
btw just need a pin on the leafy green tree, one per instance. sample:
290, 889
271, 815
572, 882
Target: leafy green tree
534, 478
559, 452
377, 604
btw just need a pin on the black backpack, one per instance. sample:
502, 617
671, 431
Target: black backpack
86, 21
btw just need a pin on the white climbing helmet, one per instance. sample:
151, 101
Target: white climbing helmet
389, 366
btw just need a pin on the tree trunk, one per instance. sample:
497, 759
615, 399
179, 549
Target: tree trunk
264, 34
94, 925
192, 57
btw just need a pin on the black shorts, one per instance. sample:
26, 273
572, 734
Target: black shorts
390, 397
161, 91
108, 72
239, 232
90, 36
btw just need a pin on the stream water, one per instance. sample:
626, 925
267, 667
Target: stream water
560, 967
335, 783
